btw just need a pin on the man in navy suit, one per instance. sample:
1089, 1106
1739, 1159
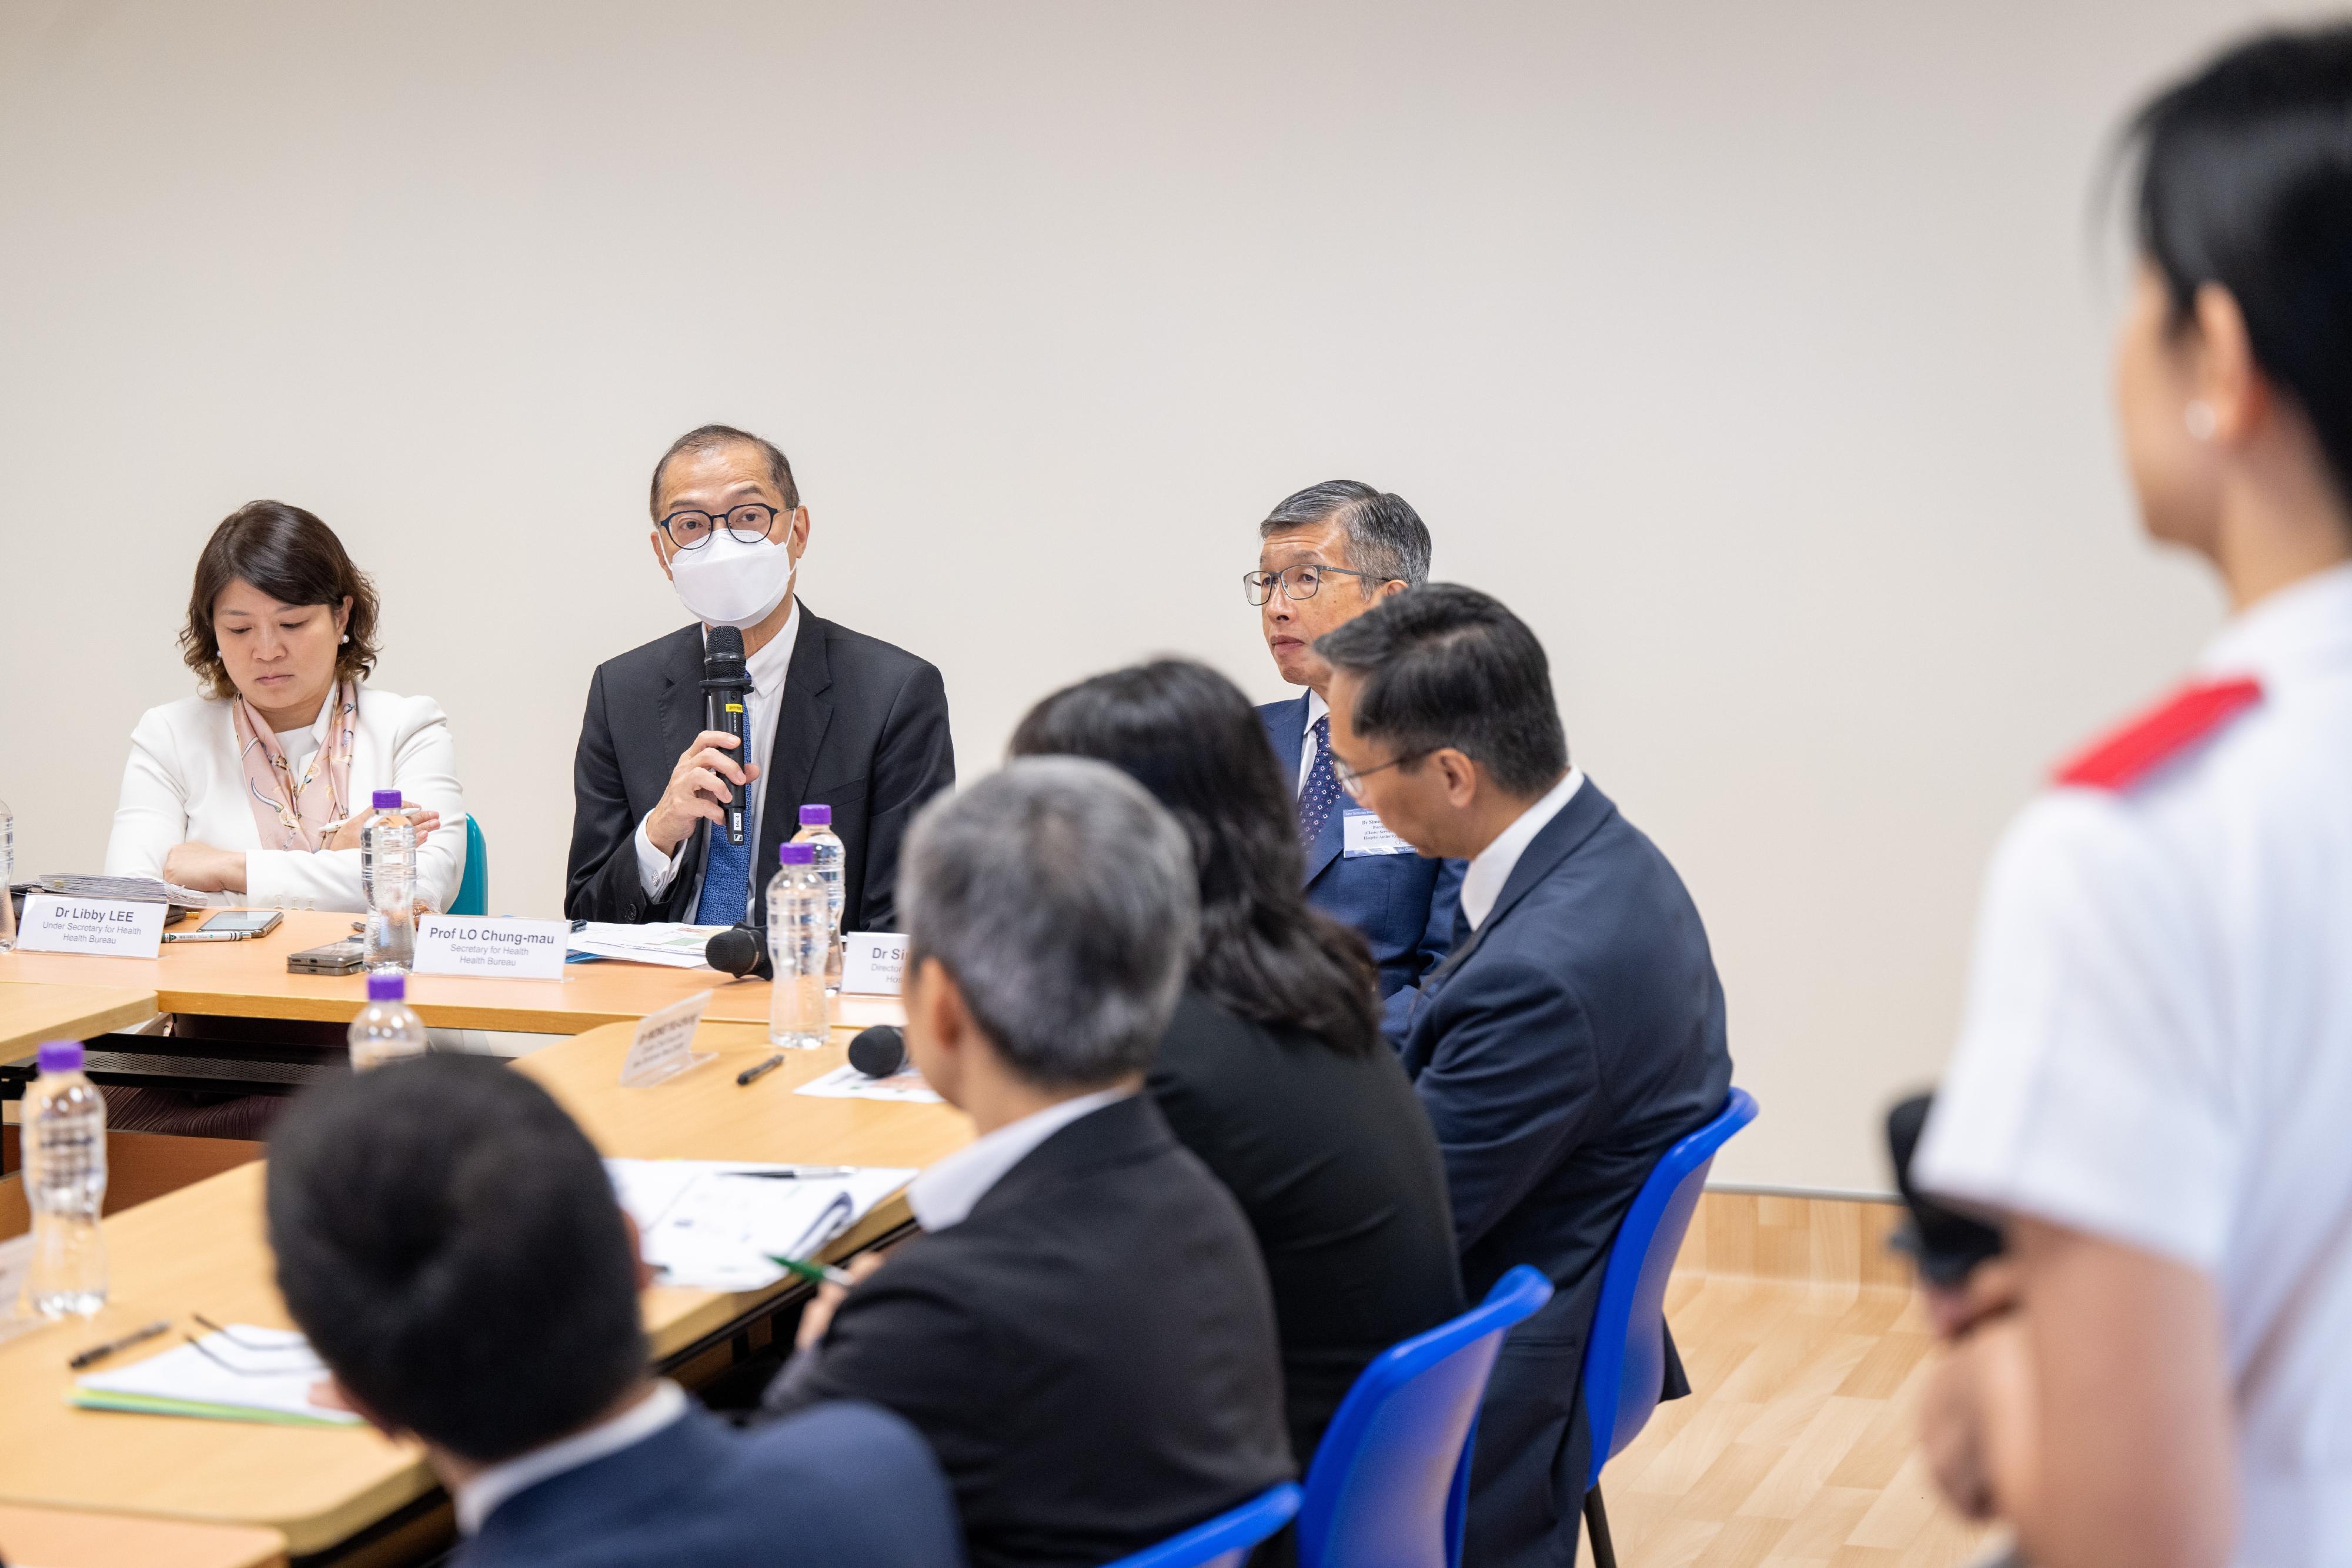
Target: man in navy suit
449, 1240
1325, 556
1574, 1032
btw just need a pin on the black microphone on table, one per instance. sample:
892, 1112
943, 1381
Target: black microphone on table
879, 1051
727, 690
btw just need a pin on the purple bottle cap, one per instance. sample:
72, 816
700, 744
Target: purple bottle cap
387, 799
816, 816
387, 986
796, 854
61, 1056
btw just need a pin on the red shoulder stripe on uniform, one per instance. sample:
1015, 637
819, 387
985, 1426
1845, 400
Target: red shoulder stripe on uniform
2124, 757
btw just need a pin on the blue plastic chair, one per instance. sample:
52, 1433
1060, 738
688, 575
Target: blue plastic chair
473, 887
1225, 1540
1626, 1356
1389, 1487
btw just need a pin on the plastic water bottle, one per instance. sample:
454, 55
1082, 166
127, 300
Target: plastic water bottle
798, 921
817, 831
388, 870
7, 875
65, 1183
385, 1029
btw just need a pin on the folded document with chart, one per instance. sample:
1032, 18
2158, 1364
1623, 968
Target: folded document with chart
237, 1374
718, 1225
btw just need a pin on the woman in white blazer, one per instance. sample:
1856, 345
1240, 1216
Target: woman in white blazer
254, 791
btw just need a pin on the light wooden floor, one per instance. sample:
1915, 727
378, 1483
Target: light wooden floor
1806, 1349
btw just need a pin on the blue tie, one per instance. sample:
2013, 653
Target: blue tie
1321, 790
725, 880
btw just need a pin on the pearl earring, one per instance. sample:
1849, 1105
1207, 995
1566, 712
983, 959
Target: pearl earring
2199, 417
347, 636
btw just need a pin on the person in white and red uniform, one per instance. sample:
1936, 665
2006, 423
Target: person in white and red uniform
2152, 1092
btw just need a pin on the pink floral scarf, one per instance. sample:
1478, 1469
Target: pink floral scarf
298, 813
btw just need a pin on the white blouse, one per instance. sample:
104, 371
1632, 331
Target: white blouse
184, 782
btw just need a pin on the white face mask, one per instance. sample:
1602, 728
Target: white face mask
730, 583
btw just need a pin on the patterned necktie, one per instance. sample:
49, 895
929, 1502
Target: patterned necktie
1321, 790
725, 880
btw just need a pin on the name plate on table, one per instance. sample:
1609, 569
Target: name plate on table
503, 949
663, 1045
55, 923
873, 962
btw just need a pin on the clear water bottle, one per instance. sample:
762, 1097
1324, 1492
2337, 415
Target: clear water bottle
385, 1029
817, 831
7, 875
388, 870
798, 920
65, 1184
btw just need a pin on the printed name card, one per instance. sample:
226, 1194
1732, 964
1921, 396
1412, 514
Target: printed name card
873, 963
503, 949
663, 1045
110, 928
1363, 833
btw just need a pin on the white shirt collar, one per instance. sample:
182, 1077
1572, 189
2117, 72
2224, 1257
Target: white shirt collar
2303, 627
1483, 882
479, 1498
1316, 708
945, 1194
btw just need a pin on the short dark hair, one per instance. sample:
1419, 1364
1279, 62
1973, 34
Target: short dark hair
2245, 181
291, 556
1189, 735
1060, 895
704, 437
1385, 536
448, 1238
1448, 665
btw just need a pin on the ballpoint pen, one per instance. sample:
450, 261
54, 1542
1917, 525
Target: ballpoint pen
748, 1073
816, 1273
99, 1352
799, 1173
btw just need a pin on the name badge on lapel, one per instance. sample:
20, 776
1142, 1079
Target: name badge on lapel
1363, 833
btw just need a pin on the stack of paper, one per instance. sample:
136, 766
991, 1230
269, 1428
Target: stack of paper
240, 1373
907, 1088
717, 1225
133, 889
663, 942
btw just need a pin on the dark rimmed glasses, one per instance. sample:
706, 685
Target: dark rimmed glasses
691, 530
1352, 779
1299, 581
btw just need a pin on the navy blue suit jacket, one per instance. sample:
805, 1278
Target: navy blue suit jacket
1558, 1051
1404, 904
847, 1485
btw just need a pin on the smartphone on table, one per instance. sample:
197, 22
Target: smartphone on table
231, 925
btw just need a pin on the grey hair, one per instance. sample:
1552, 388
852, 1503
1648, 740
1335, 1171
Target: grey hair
1062, 898
1385, 536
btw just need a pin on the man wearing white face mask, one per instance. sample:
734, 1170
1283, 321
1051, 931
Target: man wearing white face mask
837, 718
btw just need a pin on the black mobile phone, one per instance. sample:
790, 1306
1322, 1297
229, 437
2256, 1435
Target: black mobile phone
347, 956
1946, 1243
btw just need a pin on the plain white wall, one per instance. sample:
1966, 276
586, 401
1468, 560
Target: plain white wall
1755, 354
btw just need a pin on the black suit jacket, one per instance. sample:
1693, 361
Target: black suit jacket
1333, 1163
863, 728
1091, 1353
1560, 1050
847, 1486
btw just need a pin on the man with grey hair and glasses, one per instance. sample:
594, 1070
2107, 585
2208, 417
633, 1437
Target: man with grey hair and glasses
1084, 1332
1325, 556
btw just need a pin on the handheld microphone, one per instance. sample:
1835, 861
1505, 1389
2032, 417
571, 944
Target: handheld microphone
740, 950
726, 690
879, 1051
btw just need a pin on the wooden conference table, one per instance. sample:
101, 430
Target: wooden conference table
347, 1495
249, 979
30, 1013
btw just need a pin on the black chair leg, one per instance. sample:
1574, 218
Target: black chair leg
1596, 1525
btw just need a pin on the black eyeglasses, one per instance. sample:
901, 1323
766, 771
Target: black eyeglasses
1299, 581
1352, 779
690, 530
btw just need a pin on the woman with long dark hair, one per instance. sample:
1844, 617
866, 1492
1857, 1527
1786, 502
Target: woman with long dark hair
1274, 1071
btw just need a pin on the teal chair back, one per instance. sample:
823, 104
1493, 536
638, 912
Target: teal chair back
474, 889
